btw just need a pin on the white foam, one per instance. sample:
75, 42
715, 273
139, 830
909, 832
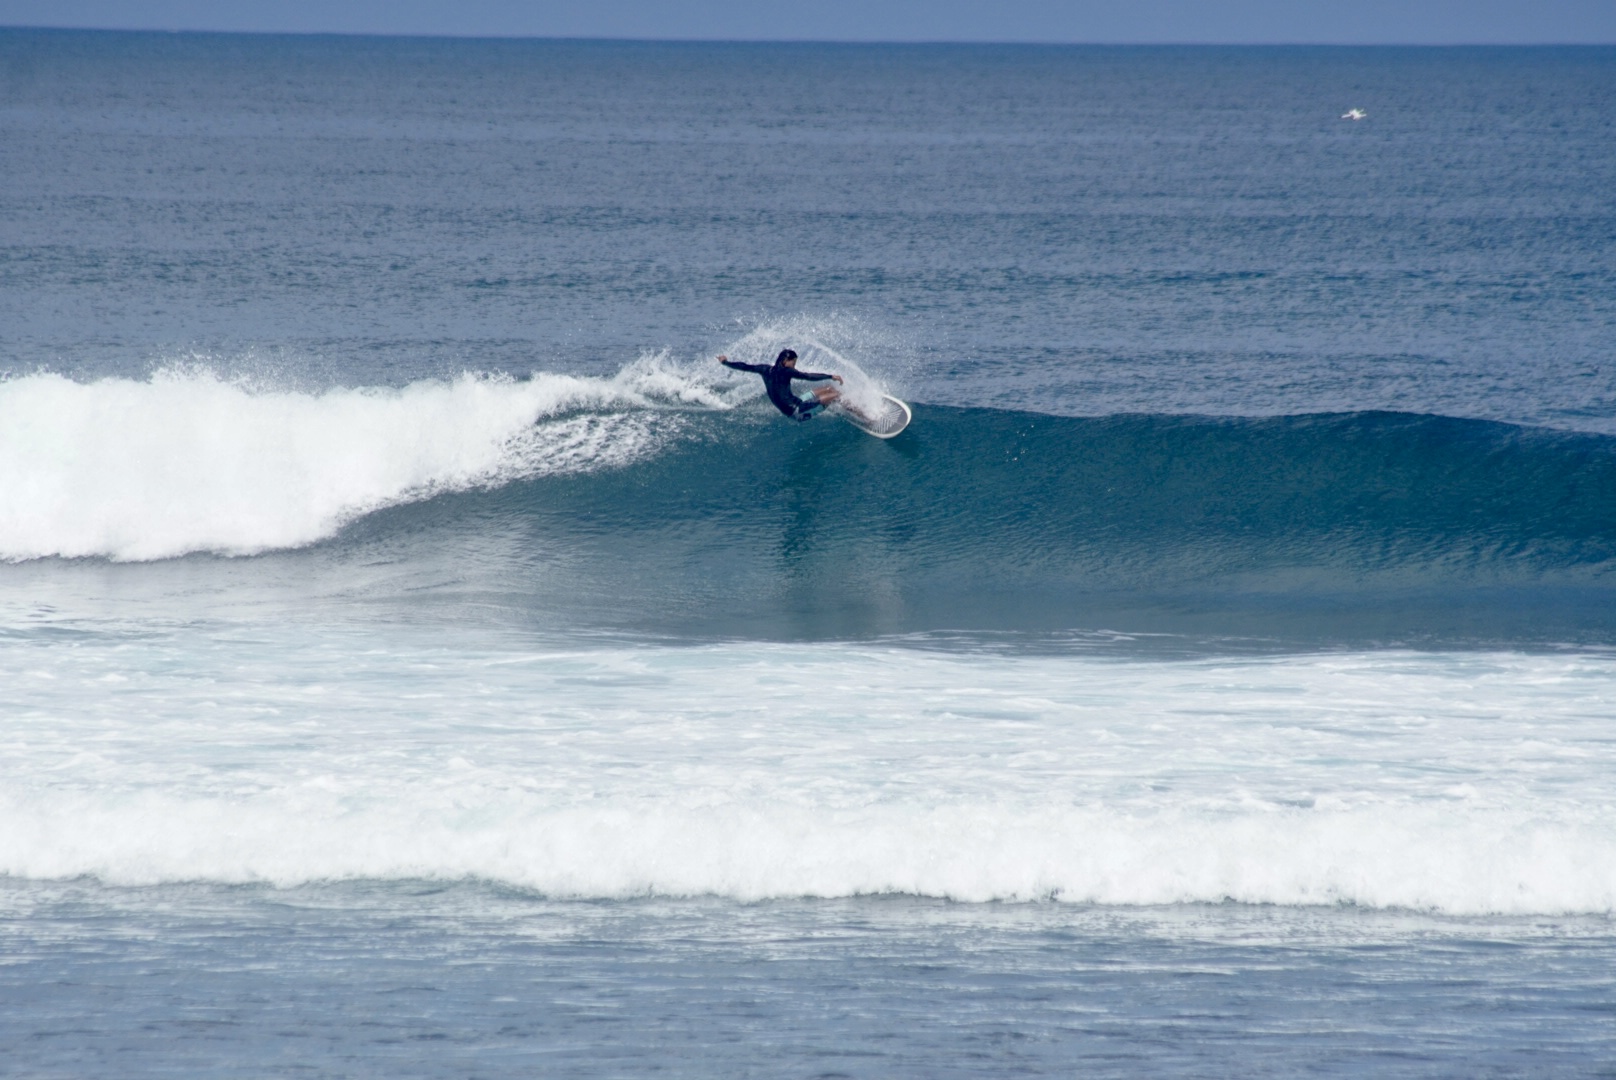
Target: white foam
1461, 783
1424, 859
185, 461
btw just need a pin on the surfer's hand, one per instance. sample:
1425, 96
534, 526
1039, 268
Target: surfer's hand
838, 379
721, 359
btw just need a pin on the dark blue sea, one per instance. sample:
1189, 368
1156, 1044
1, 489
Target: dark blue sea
419, 658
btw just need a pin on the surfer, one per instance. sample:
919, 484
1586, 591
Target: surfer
777, 379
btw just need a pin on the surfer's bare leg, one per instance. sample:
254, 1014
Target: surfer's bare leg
826, 394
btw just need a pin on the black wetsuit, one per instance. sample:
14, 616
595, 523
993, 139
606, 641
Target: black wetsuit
777, 379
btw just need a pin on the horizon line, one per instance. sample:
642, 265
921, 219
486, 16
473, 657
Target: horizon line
694, 40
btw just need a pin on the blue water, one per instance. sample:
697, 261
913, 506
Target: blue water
418, 657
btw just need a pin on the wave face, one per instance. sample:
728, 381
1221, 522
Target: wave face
981, 519
649, 501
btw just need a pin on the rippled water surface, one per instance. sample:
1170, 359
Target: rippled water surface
418, 658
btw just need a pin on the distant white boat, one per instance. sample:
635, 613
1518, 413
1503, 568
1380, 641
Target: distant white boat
1354, 114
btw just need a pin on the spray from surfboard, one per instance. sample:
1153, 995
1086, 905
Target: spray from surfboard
865, 401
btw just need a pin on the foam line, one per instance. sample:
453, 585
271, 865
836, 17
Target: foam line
1438, 859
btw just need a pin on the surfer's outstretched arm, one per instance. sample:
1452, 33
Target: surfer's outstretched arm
756, 369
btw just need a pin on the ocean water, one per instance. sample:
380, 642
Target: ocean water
419, 658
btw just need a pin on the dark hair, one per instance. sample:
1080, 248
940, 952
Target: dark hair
785, 354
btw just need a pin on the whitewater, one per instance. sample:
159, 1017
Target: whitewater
185, 461
1462, 784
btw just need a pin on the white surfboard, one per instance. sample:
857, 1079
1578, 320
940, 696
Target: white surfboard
892, 417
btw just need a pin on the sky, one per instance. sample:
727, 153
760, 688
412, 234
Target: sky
1414, 22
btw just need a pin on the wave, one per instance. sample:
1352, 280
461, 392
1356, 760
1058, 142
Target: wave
677, 501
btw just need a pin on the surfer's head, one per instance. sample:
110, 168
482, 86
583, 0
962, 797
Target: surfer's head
788, 357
